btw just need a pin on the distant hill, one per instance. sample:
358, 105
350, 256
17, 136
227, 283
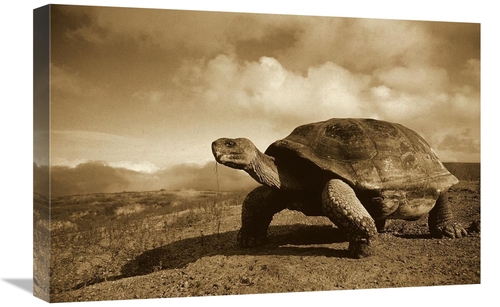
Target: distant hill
464, 171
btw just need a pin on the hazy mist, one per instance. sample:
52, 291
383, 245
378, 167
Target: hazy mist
97, 177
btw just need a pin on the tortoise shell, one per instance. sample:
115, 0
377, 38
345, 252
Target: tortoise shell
368, 153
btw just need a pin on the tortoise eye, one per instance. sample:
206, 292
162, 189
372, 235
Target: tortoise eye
230, 143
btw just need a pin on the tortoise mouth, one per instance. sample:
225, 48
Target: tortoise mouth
229, 159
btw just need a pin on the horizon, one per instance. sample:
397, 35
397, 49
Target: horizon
121, 180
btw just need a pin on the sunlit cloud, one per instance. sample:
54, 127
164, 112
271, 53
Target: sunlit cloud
420, 97
421, 80
142, 167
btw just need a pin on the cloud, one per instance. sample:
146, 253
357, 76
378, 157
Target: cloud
411, 95
90, 177
472, 72
420, 80
143, 167
263, 100
358, 44
298, 42
472, 68
265, 88
70, 148
463, 143
193, 32
99, 177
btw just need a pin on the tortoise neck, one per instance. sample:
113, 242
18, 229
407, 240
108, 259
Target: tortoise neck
264, 170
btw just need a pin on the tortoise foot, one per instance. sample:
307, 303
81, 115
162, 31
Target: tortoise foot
361, 248
450, 230
247, 238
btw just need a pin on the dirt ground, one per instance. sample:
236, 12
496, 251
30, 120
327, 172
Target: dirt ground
303, 254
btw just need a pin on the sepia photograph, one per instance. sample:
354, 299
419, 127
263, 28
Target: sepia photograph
190, 153
202, 153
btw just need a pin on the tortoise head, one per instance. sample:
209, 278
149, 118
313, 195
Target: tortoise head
236, 153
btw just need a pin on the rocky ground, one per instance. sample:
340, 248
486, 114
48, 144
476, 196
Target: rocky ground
303, 254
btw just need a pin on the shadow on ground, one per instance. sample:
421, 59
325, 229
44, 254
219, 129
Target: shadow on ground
287, 240
283, 240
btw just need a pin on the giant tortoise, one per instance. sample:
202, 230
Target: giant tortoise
357, 172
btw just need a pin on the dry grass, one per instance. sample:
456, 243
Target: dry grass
93, 236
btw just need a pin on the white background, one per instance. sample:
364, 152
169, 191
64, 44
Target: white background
17, 158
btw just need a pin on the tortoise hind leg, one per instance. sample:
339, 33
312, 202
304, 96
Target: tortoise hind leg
441, 222
259, 207
344, 209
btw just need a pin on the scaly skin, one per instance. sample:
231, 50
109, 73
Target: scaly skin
343, 208
259, 207
441, 222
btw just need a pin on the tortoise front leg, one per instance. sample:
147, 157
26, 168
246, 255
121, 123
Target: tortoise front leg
441, 222
344, 209
258, 210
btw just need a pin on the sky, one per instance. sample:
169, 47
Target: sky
138, 95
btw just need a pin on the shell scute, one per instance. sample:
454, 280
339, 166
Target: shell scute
368, 153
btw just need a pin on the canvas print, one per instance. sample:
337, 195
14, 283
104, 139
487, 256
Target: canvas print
191, 153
